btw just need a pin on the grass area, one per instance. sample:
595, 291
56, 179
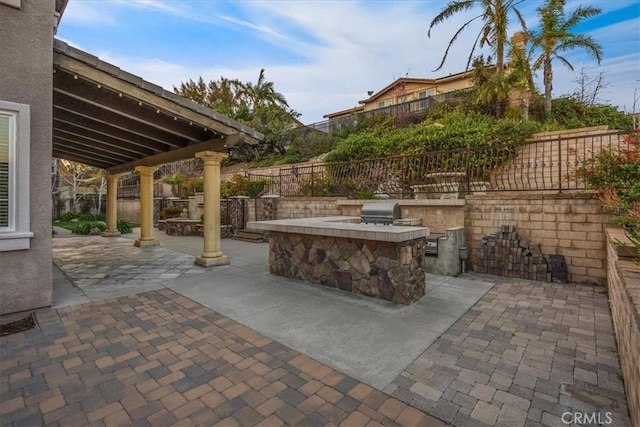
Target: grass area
66, 225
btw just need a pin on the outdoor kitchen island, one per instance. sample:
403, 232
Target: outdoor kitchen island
382, 261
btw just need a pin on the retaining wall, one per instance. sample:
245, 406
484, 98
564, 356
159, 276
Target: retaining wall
307, 207
624, 299
437, 214
129, 210
566, 224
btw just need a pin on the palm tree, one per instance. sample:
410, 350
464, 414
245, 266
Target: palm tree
263, 93
494, 29
554, 38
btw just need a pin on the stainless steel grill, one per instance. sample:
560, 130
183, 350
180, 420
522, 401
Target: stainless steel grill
380, 213
431, 247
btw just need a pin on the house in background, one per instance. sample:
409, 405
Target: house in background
404, 95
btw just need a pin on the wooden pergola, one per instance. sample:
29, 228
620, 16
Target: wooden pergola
106, 117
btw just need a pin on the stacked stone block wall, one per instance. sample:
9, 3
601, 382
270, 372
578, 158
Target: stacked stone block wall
307, 207
566, 224
129, 210
438, 215
624, 298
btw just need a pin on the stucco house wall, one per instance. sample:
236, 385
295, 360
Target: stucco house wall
26, 46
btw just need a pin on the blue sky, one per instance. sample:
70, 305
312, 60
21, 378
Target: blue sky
324, 55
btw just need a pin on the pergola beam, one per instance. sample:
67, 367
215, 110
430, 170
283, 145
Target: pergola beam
101, 121
99, 138
122, 111
172, 156
99, 152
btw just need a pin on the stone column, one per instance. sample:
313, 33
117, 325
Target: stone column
112, 207
212, 254
146, 207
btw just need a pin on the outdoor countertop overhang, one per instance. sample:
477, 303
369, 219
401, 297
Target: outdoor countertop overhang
348, 227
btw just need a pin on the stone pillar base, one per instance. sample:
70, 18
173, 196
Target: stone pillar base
144, 243
212, 262
111, 234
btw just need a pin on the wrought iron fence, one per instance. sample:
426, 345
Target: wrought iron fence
538, 165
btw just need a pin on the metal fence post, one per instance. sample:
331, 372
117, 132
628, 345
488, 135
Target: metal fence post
402, 176
313, 184
559, 164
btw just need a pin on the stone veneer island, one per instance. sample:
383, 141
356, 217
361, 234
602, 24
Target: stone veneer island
381, 261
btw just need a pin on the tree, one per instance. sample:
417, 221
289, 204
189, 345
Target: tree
554, 38
278, 125
258, 105
173, 180
264, 94
226, 96
495, 17
76, 175
590, 88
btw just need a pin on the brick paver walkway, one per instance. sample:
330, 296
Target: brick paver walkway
159, 358
525, 354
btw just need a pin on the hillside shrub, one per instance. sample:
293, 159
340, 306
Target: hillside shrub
242, 186
569, 113
616, 176
454, 130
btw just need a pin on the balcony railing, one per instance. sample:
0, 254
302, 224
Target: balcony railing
417, 107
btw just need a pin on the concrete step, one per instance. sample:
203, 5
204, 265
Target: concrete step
247, 235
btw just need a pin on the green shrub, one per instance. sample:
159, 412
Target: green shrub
192, 186
170, 212
68, 216
615, 174
242, 186
570, 113
124, 227
316, 187
86, 227
86, 216
101, 217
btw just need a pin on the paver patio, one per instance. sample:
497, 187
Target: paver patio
524, 354
159, 358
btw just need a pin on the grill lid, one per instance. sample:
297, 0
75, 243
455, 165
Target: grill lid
380, 213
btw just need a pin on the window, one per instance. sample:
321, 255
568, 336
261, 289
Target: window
425, 93
6, 132
384, 103
14, 176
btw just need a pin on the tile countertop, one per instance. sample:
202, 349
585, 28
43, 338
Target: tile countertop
342, 226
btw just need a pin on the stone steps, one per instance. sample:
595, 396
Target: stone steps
247, 235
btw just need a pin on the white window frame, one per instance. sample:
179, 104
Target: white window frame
17, 236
